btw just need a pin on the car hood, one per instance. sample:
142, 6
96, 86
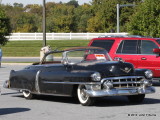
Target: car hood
107, 69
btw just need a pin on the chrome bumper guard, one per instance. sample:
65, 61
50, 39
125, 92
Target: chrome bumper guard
120, 92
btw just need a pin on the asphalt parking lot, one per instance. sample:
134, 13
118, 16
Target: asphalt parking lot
14, 107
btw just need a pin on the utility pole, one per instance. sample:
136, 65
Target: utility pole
118, 29
118, 7
44, 23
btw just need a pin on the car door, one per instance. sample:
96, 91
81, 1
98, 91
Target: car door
127, 50
147, 59
51, 78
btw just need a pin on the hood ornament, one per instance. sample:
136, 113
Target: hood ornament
126, 69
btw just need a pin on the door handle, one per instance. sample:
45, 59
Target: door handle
143, 58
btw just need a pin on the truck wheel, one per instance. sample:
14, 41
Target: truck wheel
136, 98
27, 95
83, 98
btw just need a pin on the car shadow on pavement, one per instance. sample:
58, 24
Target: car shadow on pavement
5, 111
60, 99
122, 101
100, 102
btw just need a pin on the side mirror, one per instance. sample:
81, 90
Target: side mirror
156, 51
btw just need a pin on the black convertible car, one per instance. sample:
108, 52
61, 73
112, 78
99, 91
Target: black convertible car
85, 72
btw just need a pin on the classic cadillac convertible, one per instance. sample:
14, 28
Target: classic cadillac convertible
85, 72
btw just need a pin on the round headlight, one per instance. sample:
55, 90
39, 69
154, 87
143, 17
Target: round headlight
148, 74
96, 76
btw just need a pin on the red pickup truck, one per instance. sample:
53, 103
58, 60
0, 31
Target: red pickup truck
140, 51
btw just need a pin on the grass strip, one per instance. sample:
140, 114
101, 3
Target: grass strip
32, 48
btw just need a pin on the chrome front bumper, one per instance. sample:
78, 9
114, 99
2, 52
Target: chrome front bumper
120, 92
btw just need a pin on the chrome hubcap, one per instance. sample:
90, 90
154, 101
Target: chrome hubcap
84, 96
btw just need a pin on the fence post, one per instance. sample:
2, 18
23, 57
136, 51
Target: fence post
87, 35
70, 36
52, 35
19, 36
35, 34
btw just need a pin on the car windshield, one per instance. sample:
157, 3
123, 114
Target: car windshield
87, 55
158, 40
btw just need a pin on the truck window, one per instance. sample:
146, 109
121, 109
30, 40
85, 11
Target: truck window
147, 47
128, 47
106, 44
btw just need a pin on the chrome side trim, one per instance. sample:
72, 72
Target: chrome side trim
156, 78
52, 94
37, 82
72, 83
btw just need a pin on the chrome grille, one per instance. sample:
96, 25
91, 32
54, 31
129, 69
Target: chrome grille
125, 82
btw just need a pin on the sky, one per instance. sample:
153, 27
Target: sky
25, 2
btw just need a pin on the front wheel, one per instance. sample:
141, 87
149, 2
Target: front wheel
28, 95
83, 98
136, 98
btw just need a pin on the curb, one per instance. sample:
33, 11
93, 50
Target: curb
20, 57
16, 63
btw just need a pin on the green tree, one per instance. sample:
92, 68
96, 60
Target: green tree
13, 13
104, 16
5, 28
61, 19
82, 14
26, 23
18, 5
146, 19
73, 2
27, 19
34, 9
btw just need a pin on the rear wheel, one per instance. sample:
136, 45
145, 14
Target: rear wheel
136, 98
28, 95
83, 98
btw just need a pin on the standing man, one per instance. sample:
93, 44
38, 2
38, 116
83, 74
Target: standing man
0, 56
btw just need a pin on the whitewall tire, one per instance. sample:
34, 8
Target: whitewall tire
83, 98
27, 95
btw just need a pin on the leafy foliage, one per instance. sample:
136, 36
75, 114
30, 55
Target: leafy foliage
73, 2
61, 19
4, 27
98, 16
146, 19
82, 14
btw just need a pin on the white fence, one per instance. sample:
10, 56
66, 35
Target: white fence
58, 36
